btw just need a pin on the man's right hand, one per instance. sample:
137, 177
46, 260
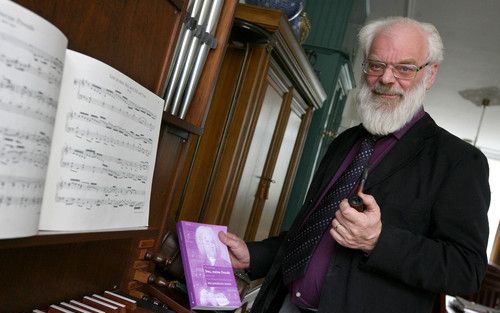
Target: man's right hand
238, 250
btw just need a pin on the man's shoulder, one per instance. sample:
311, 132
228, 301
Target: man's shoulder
454, 145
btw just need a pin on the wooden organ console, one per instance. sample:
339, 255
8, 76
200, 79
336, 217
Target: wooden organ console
134, 270
74, 272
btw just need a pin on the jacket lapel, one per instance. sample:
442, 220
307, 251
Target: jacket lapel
406, 149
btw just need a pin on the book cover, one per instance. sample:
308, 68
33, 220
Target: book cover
78, 138
209, 275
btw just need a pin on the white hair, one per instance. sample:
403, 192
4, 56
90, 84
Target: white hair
434, 41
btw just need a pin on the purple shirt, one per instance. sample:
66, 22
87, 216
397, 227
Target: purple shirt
305, 291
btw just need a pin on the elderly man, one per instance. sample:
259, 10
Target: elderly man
424, 228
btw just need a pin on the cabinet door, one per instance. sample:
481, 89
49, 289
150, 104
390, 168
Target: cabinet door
271, 217
271, 162
252, 176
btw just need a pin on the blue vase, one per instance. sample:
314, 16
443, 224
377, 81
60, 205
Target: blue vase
294, 10
291, 8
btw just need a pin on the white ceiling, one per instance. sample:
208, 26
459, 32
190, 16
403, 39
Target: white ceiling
471, 36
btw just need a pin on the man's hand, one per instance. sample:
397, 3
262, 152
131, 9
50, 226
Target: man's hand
238, 250
357, 230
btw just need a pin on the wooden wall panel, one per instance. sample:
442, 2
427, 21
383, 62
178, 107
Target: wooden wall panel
137, 38
171, 155
59, 272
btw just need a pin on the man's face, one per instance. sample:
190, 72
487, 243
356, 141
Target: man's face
386, 103
398, 45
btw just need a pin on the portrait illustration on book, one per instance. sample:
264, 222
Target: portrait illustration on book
208, 244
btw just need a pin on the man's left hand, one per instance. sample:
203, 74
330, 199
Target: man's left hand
357, 230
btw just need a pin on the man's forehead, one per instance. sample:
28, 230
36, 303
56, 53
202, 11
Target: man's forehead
403, 43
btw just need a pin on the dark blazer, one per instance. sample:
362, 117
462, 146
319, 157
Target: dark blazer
433, 192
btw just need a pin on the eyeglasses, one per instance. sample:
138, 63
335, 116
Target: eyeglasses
401, 71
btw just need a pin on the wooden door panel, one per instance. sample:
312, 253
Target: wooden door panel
255, 161
279, 175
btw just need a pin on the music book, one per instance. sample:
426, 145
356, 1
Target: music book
78, 139
207, 267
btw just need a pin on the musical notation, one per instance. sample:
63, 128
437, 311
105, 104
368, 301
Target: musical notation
32, 53
88, 203
39, 57
84, 186
27, 110
92, 195
127, 108
101, 121
24, 91
20, 155
20, 202
96, 136
86, 139
9, 183
38, 138
38, 71
116, 174
92, 154
23, 147
14, 192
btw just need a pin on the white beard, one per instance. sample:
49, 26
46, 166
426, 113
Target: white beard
384, 116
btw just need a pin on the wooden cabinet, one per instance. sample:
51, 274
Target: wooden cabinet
242, 168
138, 39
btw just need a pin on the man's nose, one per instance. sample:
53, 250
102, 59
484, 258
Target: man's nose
388, 76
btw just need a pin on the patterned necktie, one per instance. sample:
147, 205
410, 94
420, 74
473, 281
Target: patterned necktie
302, 242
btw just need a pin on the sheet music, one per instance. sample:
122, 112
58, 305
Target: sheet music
31, 64
103, 150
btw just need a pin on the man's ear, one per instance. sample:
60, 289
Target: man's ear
434, 68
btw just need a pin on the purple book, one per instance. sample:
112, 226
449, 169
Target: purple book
209, 275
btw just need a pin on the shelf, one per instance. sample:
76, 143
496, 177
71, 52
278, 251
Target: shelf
181, 125
55, 238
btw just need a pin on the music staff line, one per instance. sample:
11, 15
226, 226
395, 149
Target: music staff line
84, 186
20, 202
95, 136
26, 110
18, 147
14, 63
102, 122
19, 156
38, 55
9, 183
113, 108
115, 94
24, 91
91, 203
39, 138
76, 167
92, 154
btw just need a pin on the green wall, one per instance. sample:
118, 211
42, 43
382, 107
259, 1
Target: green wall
329, 20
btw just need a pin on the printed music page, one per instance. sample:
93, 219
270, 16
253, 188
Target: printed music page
103, 150
31, 64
